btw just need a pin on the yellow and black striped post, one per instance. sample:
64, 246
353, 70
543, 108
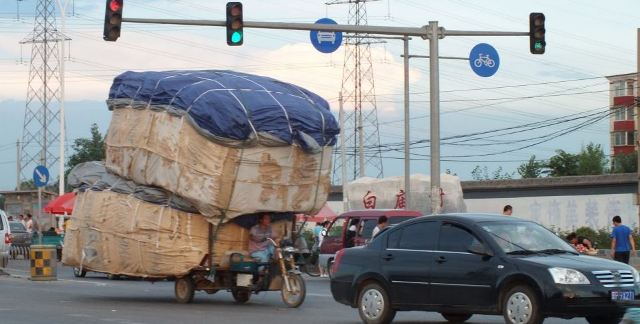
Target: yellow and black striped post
43, 263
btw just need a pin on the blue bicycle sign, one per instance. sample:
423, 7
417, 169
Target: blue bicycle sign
484, 60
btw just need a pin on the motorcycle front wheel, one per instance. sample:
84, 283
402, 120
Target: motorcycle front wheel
295, 297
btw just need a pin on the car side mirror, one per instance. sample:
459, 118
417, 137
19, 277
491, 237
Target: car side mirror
479, 249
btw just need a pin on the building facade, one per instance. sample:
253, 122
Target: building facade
622, 127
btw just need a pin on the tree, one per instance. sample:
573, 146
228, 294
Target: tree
592, 160
563, 164
87, 149
625, 163
482, 173
531, 169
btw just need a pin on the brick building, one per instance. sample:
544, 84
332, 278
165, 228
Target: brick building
622, 128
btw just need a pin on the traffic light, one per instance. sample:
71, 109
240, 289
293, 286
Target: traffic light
235, 36
536, 33
113, 20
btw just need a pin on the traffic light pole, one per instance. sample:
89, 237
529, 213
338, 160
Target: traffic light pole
431, 32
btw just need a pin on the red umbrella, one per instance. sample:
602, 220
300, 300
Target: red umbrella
61, 205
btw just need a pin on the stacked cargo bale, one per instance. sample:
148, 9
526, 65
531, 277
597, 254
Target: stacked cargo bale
190, 153
123, 228
229, 143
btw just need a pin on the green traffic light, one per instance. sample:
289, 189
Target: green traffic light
236, 37
538, 45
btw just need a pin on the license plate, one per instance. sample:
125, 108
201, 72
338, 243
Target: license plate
620, 295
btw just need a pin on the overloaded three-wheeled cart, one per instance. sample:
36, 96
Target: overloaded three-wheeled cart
247, 276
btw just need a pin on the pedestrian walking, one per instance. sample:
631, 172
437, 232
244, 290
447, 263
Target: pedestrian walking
29, 223
507, 210
622, 243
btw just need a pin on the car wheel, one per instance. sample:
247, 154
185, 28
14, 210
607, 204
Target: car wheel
521, 306
241, 296
79, 274
456, 318
606, 319
374, 305
184, 290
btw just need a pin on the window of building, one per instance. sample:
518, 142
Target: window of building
618, 138
630, 112
630, 88
619, 88
619, 113
624, 138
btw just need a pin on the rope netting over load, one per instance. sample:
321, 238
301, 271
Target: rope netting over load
232, 108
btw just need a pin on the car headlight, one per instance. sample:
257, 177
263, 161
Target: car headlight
636, 275
566, 276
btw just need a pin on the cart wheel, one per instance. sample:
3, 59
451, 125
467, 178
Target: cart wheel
79, 274
241, 296
295, 297
185, 289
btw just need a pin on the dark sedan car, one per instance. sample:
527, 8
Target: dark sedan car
465, 264
20, 240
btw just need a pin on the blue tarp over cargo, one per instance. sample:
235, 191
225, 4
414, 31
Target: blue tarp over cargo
233, 108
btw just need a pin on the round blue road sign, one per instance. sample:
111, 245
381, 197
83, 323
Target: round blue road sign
40, 176
484, 60
326, 41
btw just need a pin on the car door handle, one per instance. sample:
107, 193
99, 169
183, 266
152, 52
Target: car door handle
388, 257
441, 259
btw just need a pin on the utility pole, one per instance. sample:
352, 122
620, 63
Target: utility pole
434, 95
343, 158
407, 153
18, 165
61, 160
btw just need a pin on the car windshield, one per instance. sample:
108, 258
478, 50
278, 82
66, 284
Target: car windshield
526, 238
17, 227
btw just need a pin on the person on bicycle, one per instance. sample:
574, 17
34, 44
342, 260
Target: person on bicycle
259, 247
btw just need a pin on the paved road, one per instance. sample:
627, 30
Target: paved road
96, 299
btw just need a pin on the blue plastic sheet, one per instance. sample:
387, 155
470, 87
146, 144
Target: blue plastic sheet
233, 107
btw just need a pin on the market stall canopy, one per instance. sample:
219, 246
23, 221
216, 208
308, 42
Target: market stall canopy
325, 214
61, 205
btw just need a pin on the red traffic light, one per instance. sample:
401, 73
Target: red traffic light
115, 5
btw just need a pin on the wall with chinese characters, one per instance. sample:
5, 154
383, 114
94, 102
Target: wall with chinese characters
565, 212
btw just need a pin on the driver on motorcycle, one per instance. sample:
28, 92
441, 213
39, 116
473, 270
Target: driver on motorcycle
259, 247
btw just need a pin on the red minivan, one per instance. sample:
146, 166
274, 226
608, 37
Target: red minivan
364, 221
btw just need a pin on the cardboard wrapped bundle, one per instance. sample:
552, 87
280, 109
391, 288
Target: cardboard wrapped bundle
158, 148
120, 234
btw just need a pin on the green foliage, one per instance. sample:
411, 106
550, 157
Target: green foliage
30, 185
591, 160
482, 174
625, 163
87, 149
562, 164
531, 169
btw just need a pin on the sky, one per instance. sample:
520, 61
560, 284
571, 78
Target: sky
562, 95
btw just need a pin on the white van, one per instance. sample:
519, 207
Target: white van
5, 239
